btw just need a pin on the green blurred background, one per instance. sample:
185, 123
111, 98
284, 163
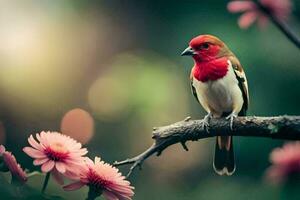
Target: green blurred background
120, 62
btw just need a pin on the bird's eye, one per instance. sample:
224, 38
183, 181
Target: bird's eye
204, 46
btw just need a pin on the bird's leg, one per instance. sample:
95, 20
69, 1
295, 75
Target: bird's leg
231, 117
205, 121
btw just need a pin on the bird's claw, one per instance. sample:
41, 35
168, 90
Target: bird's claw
205, 125
205, 122
231, 117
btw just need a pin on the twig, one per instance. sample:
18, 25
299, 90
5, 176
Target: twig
280, 127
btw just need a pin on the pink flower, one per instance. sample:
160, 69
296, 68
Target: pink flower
286, 161
105, 179
2, 149
11, 163
57, 153
280, 9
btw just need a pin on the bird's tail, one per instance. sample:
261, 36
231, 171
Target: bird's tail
224, 156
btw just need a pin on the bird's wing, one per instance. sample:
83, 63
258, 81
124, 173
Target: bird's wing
241, 77
192, 87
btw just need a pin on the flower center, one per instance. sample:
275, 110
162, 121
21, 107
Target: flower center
97, 181
57, 151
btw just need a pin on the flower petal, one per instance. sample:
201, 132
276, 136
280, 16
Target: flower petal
123, 190
33, 152
72, 175
2, 149
34, 143
48, 166
247, 19
240, 6
109, 195
40, 161
14, 168
57, 177
60, 167
74, 186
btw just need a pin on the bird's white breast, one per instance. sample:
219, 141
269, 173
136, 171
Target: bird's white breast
222, 95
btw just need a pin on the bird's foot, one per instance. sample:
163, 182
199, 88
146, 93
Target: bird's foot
231, 117
205, 122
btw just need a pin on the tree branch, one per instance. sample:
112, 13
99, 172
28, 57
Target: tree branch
280, 127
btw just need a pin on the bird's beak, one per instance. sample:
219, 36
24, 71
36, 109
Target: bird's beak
188, 52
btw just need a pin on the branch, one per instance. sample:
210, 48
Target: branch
281, 127
281, 25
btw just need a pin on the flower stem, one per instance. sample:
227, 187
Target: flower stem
46, 182
93, 193
282, 26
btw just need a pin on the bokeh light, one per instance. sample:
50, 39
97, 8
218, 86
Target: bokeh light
41, 54
108, 97
144, 82
78, 124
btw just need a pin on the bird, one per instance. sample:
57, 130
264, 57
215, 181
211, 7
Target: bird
219, 84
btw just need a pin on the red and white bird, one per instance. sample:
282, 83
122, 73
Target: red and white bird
219, 84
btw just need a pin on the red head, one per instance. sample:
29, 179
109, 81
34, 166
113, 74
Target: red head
206, 48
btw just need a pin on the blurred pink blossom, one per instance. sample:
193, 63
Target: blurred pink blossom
57, 153
105, 179
280, 9
11, 163
2, 149
286, 161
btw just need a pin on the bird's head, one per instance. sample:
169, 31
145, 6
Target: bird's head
205, 48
